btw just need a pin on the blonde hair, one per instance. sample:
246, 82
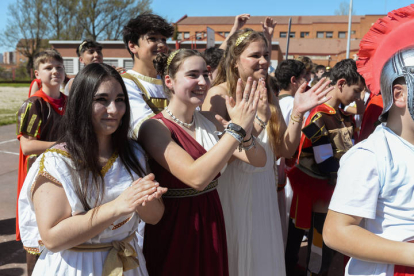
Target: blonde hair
227, 72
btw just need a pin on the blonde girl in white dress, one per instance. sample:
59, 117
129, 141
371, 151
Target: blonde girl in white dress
249, 194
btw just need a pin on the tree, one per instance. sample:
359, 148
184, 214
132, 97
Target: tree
105, 19
344, 9
31, 23
61, 16
26, 29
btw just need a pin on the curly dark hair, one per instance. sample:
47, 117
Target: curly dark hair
346, 69
286, 70
143, 24
213, 56
87, 44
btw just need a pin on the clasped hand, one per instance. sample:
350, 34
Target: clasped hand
141, 191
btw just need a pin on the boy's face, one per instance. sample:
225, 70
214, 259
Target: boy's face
320, 73
150, 45
350, 93
51, 73
91, 55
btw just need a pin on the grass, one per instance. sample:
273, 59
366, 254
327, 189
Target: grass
14, 84
11, 100
8, 116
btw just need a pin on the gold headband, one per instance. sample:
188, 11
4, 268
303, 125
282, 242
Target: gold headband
170, 58
242, 37
80, 46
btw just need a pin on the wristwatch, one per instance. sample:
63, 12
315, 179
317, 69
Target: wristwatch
236, 128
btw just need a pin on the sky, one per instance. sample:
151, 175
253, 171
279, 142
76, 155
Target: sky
175, 9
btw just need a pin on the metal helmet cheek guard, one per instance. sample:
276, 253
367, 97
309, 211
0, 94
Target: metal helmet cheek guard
401, 64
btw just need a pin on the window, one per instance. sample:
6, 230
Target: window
283, 34
226, 34
329, 34
179, 36
186, 35
292, 34
353, 32
341, 34
112, 62
128, 64
199, 35
68, 63
319, 34
304, 34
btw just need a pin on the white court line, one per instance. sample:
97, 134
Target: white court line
8, 141
9, 152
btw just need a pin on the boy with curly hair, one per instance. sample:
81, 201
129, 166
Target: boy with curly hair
145, 36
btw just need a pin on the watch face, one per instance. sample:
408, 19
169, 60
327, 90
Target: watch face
234, 127
237, 129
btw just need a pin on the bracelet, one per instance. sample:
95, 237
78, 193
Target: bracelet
236, 136
261, 123
296, 118
252, 145
245, 141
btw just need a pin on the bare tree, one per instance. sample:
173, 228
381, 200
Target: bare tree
61, 16
26, 29
105, 19
32, 22
343, 9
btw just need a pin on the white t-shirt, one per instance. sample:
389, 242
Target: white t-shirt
376, 182
140, 111
286, 106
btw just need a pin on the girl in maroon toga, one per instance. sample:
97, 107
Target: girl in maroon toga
187, 157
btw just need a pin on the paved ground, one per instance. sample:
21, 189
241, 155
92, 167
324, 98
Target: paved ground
12, 255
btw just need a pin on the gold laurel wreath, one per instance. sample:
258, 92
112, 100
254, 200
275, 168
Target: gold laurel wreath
242, 37
170, 58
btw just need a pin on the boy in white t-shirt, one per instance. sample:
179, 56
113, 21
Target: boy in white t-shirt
371, 216
145, 36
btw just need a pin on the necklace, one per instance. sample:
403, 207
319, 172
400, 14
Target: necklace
178, 121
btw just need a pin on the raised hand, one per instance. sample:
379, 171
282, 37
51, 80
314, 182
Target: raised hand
306, 100
243, 110
268, 28
240, 21
263, 108
137, 194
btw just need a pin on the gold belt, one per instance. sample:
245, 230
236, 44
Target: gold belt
189, 192
121, 256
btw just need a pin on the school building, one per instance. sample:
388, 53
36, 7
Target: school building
321, 38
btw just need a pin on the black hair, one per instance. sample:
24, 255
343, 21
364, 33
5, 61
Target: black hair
87, 44
345, 69
77, 132
326, 75
286, 70
272, 82
213, 56
143, 24
320, 67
